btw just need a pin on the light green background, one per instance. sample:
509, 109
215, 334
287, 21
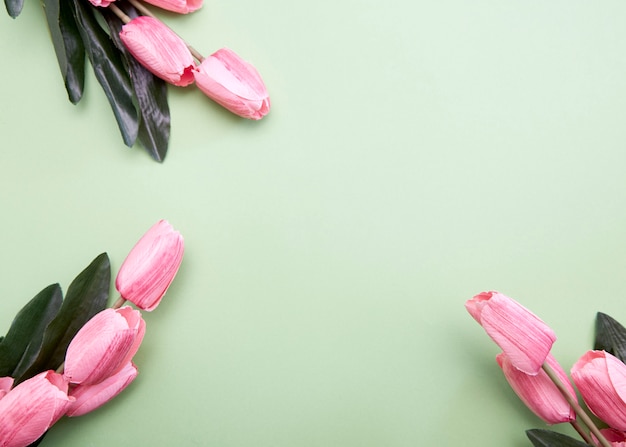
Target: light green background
417, 153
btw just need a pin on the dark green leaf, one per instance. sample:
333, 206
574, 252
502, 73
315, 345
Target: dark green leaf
548, 438
610, 336
68, 46
14, 7
109, 69
150, 91
22, 342
86, 296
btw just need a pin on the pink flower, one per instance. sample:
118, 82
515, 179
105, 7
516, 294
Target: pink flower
101, 3
5, 385
104, 345
159, 49
524, 338
601, 380
31, 408
234, 84
538, 392
179, 6
151, 265
90, 397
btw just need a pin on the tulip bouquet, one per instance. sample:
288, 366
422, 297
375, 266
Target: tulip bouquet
68, 356
543, 385
134, 55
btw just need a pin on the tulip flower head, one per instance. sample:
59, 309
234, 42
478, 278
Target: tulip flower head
538, 391
179, 6
5, 385
524, 338
151, 265
89, 397
159, 49
104, 345
234, 84
101, 3
601, 379
31, 408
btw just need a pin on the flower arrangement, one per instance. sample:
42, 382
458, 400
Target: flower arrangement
69, 356
543, 385
134, 55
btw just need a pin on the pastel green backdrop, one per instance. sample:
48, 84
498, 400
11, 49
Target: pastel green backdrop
416, 153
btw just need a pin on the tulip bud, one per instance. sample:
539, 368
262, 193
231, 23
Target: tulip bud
234, 84
151, 265
179, 6
524, 338
101, 3
31, 408
601, 379
159, 49
5, 385
538, 392
104, 345
89, 397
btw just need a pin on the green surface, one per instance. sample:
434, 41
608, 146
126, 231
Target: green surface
417, 153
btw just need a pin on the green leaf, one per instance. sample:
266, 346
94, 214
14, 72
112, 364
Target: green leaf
610, 336
14, 7
109, 69
22, 342
547, 438
150, 91
68, 46
86, 296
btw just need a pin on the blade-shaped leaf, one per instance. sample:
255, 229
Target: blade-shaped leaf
109, 69
86, 296
68, 46
150, 91
610, 336
548, 438
23, 340
14, 7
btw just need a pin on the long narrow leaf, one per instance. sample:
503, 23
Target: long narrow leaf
23, 340
150, 91
109, 70
68, 46
548, 438
14, 7
86, 296
610, 336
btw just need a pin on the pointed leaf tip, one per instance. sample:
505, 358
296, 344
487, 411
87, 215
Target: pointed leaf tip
548, 438
610, 336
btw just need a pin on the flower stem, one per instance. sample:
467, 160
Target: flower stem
118, 12
581, 431
146, 12
119, 303
577, 408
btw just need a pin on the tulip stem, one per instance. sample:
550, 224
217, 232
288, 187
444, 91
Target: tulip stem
118, 12
577, 408
119, 303
146, 12
581, 431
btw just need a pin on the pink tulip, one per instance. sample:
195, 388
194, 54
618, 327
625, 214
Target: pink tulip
179, 6
524, 338
151, 265
159, 49
104, 345
234, 84
538, 392
5, 385
101, 3
31, 408
601, 379
90, 397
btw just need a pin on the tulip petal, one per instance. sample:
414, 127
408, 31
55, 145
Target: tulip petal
31, 408
5, 385
90, 397
525, 339
159, 49
150, 267
538, 392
